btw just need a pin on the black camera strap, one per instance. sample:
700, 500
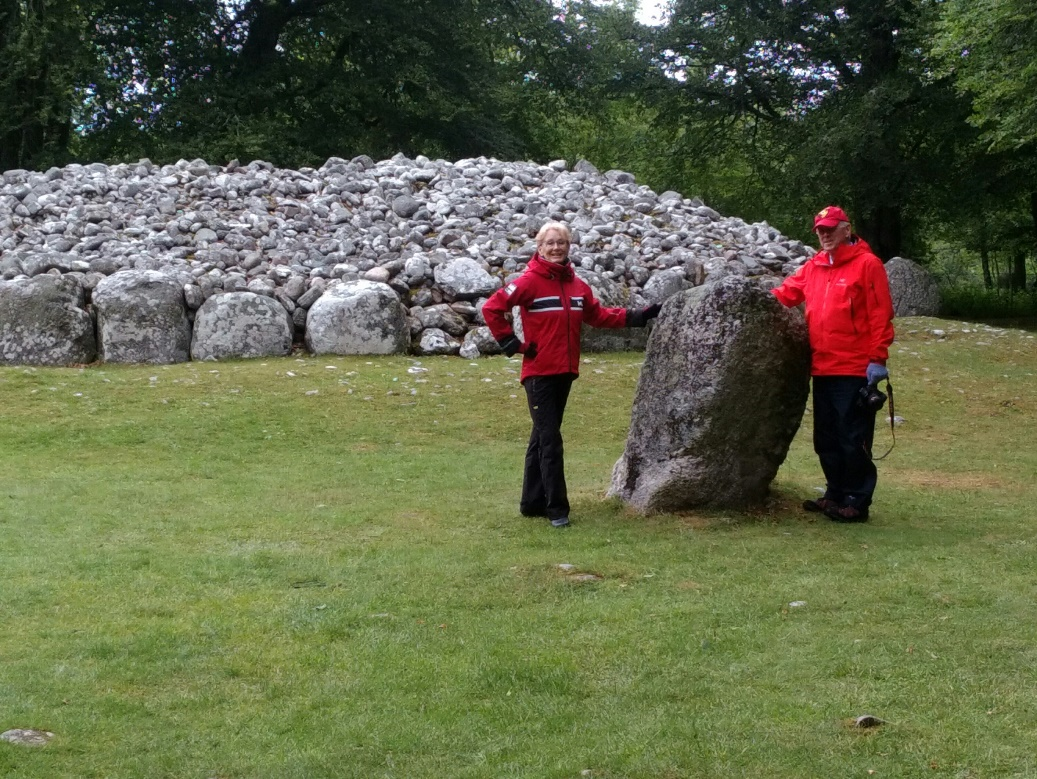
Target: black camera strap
892, 432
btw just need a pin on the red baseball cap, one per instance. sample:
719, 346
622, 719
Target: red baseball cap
830, 216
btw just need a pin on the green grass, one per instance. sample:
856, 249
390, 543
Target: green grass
207, 572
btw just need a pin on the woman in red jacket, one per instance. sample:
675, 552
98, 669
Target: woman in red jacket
849, 316
554, 303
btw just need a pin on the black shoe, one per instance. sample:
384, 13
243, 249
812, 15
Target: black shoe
846, 514
820, 505
560, 522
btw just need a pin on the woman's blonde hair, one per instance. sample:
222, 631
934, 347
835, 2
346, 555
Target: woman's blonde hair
561, 227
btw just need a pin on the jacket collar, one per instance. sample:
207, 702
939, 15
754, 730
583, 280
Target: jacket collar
550, 270
843, 253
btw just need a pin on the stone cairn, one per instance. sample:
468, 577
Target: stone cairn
145, 263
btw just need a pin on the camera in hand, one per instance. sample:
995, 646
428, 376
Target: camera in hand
871, 398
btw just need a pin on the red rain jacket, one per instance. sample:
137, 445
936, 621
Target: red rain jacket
849, 311
554, 302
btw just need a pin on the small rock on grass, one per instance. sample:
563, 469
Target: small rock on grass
868, 721
27, 737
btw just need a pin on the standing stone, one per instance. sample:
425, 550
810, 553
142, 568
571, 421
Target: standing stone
913, 289
241, 324
720, 397
43, 321
142, 318
357, 317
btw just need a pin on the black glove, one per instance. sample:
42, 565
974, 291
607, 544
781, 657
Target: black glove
531, 350
639, 317
510, 345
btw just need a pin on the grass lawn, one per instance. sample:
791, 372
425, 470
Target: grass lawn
316, 568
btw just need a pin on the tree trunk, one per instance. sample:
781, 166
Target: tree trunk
984, 256
267, 20
1033, 212
1017, 278
34, 103
266, 23
882, 229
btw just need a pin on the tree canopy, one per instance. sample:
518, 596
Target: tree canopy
918, 116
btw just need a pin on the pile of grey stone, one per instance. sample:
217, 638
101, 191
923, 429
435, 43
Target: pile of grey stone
155, 264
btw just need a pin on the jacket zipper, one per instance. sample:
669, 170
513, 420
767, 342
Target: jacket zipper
824, 305
568, 325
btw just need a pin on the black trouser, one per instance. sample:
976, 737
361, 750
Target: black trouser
543, 482
843, 434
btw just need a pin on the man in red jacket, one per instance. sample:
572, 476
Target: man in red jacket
554, 302
849, 316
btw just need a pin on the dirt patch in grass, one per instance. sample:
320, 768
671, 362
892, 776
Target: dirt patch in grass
697, 521
413, 520
952, 481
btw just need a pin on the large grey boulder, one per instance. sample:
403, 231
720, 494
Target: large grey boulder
41, 262
479, 342
442, 317
142, 318
10, 266
357, 317
241, 324
913, 288
436, 341
43, 321
721, 394
665, 284
465, 279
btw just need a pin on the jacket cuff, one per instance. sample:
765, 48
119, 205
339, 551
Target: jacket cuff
509, 344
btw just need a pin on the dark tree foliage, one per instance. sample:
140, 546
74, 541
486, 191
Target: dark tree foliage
918, 116
990, 49
38, 88
296, 81
829, 103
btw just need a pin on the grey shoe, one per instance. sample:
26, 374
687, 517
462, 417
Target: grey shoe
560, 522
